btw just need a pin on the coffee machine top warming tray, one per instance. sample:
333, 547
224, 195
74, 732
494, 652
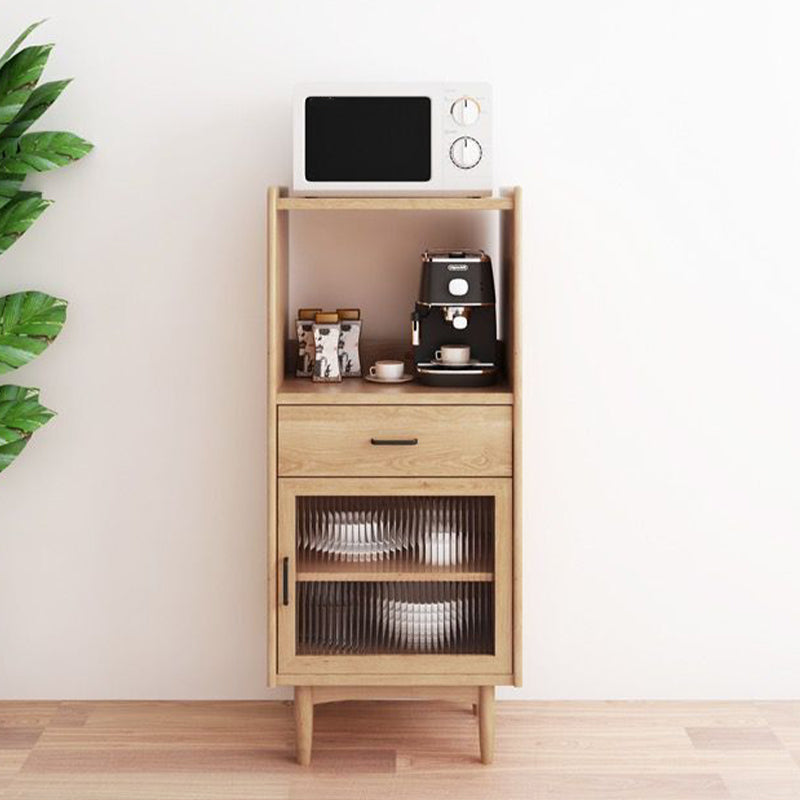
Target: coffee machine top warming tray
456, 305
437, 375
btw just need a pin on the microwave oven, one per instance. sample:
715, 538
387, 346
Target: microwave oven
400, 139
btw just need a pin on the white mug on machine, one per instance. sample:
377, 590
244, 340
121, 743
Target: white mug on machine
453, 354
387, 370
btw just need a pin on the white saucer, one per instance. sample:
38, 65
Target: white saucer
375, 379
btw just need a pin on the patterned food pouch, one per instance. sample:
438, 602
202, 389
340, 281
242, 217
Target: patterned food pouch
326, 350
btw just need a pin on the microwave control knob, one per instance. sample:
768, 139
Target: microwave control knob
465, 152
458, 287
465, 111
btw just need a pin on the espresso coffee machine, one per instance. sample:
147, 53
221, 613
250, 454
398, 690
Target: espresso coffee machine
456, 306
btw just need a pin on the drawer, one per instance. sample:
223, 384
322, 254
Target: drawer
394, 441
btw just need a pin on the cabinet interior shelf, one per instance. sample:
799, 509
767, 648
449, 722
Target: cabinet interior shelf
356, 391
351, 573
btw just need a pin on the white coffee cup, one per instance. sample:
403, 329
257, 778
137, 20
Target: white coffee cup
453, 354
387, 370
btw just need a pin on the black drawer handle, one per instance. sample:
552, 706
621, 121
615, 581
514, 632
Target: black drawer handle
395, 442
286, 581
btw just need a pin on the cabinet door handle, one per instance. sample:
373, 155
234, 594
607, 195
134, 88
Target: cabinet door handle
286, 581
395, 442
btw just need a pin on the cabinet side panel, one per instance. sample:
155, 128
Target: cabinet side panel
276, 335
516, 383
517, 432
511, 231
277, 283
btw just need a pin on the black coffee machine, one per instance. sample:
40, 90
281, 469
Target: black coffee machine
456, 306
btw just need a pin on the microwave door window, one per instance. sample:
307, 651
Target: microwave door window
362, 139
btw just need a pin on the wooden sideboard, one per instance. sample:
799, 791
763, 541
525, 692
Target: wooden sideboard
393, 572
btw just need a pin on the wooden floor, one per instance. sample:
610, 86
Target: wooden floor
400, 750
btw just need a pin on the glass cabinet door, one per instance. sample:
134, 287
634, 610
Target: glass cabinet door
394, 576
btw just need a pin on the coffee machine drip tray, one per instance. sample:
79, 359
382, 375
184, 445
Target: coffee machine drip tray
434, 374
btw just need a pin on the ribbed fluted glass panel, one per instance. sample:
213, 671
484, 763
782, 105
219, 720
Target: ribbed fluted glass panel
382, 617
453, 533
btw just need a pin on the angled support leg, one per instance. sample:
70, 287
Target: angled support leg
486, 723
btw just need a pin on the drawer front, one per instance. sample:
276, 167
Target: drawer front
391, 441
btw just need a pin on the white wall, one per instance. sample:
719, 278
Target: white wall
658, 144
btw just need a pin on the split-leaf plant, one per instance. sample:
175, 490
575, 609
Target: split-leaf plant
29, 321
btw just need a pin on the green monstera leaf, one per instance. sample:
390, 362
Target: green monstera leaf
18, 214
41, 98
18, 41
9, 186
21, 414
8, 452
29, 321
18, 78
40, 152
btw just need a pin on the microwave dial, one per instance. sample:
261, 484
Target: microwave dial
465, 111
465, 152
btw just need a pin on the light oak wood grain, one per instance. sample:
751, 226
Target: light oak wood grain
277, 287
19, 738
450, 441
303, 723
395, 203
486, 722
356, 391
388, 678
363, 666
755, 788
738, 738
27, 714
512, 249
407, 750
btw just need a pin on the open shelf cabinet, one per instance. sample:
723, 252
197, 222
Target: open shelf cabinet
393, 571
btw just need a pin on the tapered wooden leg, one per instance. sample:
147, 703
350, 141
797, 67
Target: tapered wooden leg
486, 723
304, 723
475, 709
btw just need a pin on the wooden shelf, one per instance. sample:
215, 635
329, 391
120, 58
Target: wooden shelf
383, 652
367, 572
505, 203
356, 391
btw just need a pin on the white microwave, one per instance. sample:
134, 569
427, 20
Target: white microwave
401, 139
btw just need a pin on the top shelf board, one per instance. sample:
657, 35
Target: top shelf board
395, 203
